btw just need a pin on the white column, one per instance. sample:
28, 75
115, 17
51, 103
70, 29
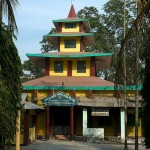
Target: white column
84, 121
122, 123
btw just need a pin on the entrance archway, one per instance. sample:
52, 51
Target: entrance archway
61, 120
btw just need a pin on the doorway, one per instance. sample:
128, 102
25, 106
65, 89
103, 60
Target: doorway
61, 120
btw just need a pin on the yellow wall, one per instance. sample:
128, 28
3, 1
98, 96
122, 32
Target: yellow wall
78, 122
104, 93
131, 129
45, 93
81, 93
70, 29
42, 123
41, 94
64, 73
74, 67
63, 49
32, 134
108, 130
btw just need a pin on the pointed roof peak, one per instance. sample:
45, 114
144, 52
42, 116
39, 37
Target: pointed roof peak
72, 13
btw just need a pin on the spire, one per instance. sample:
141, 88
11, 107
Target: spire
72, 13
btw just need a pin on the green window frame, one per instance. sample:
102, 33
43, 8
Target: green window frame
70, 43
58, 66
70, 25
81, 66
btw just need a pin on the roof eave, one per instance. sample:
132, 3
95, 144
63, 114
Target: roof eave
86, 23
102, 58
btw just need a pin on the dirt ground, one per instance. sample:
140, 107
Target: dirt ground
73, 145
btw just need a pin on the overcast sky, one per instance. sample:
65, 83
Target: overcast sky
34, 19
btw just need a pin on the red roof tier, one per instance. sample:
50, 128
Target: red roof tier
68, 81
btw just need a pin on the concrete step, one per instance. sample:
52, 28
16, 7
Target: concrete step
112, 138
62, 137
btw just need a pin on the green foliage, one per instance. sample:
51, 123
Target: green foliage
103, 38
46, 46
92, 14
113, 17
10, 87
34, 70
7, 8
108, 30
146, 89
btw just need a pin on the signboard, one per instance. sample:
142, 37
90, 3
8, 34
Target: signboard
59, 99
100, 112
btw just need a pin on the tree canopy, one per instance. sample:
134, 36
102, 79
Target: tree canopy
10, 72
31, 71
46, 46
133, 64
10, 87
108, 29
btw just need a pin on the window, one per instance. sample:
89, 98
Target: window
58, 66
70, 43
81, 66
70, 25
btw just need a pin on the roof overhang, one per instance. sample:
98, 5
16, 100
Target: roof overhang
28, 105
56, 87
103, 60
107, 102
41, 87
88, 38
86, 24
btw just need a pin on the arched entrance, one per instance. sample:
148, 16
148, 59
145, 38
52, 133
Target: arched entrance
60, 107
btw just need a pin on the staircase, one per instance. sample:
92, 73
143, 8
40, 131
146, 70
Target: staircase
62, 137
112, 139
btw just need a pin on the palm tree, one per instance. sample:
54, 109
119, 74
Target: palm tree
7, 8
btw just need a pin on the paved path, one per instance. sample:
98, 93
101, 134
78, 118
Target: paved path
73, 145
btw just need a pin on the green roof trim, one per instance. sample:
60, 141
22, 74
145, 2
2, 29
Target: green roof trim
133, 87
50, 55
69, 35
70, 20
40, 87
101, 88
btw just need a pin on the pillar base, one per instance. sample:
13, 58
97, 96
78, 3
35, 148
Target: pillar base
47, 137
72, 137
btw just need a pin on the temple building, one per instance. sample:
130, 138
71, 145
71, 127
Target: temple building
75, 102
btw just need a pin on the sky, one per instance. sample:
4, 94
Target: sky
34, 20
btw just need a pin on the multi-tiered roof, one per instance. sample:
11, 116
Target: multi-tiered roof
98, 60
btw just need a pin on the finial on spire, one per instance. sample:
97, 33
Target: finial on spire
72, 13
